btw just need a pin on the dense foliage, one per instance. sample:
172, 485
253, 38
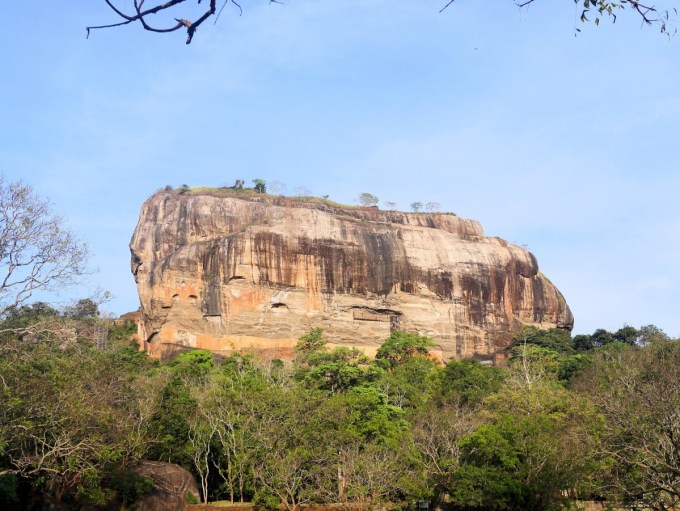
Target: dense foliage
591, 417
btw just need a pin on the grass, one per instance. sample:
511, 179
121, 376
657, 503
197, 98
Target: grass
225, 191
251, 192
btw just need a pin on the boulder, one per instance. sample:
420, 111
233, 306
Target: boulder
171, 485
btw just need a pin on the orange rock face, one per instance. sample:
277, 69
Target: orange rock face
226, 271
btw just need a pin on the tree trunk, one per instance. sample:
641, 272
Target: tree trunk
240, 484
342, 483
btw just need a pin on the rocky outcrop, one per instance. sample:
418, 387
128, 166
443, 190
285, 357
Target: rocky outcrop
171, 484
226, 271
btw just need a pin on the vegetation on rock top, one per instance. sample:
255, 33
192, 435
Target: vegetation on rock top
364, 200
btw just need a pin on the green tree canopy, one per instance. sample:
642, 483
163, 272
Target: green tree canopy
526, 451
469, 382
311, 342
401, 345
85, 308
554, 339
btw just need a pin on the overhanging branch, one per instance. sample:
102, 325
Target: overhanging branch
142, 15
599, 8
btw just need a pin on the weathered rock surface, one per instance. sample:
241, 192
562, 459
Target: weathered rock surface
222, 271
171, 485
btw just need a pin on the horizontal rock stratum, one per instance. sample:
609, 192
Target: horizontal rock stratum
227, 270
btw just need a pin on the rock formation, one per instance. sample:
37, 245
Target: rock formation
224, 270
171, 484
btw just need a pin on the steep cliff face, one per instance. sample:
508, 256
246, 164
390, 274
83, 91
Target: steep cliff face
242, 272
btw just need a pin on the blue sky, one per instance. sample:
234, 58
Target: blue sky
568, 145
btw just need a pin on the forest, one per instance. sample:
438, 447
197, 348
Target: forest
589, 417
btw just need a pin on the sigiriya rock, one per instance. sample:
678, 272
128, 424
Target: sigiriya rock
226, 271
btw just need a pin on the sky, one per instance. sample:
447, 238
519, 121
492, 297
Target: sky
566, 143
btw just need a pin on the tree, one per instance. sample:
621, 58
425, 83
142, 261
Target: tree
467, 382
437, 433
277, 187
337, 370
638, 392
82, 309
390, 206
200, 436
433, 207
377, 474
416, 206
37, 253
367, 199
27, 314
601, 337
530, 364
140, 14
583, 342
554, 339
536, 443
260, 185
311, 342
303, 191
400, 346
282, 461
169, 423
627, 335
73, 422
650, 334
410, 384
649, 14
594, 10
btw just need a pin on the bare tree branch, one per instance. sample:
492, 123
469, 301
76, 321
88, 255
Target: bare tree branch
142, 15
36, 252
648, 13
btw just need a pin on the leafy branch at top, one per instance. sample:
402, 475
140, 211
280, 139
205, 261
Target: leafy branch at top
649, 14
